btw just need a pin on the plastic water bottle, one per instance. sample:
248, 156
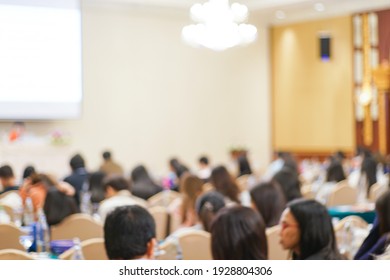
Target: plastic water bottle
85, 200
78, 252
4, 217
42, 233
28, 215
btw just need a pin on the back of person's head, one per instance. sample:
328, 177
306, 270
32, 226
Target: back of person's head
140, 174
244, 167
129, 233
77, 161
28, 171
335, 171
116, 182
204, 160
190, 188
224, 183
289, 183
382, 207
269, 200
106, 155
45, 180
58, 206
177, 167
238, 233
190, 185
340, 155
96, 186
6, 172
369, 169
316, 229
207, 206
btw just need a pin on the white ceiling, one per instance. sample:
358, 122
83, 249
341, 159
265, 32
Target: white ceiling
295, 10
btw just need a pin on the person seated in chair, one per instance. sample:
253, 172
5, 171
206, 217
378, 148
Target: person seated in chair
129, 233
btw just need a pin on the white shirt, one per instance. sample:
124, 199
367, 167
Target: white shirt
122, 198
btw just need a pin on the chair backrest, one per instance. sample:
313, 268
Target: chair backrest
12, 254
306, 191
9, 211
163, 198
167, 251
275, 250
77, 225
195, 245
9, 237
376, 191
354, 221
342, 194
93, 249
160, 216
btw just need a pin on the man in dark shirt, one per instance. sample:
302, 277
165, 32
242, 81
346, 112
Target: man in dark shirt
79, 177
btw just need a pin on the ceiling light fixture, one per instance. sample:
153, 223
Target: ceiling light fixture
219, 26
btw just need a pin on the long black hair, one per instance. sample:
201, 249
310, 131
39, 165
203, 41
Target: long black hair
238, 233
315, 224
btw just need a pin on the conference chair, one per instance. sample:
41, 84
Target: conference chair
12, 254
342, 194
93, 249
376, 191
163, 198
167, 251
160, 216
195, 245
9, 237
77, 225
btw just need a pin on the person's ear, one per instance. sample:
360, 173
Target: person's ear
150, 248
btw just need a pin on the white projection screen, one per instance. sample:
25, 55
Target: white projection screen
40, 59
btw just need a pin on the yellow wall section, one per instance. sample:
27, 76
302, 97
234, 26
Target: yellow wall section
312, 100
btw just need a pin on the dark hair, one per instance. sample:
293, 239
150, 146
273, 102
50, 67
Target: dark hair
106, 155
96, 186
369, 168
207, 205
140, 174
178, 167
238, 233
335, 171
127, 232
28, 171
46, 180
382, 207
204, 160
117, 182
58, 206
244, 167
269, 201
224, 183
315, 224
77, 161
289, 183
6, 172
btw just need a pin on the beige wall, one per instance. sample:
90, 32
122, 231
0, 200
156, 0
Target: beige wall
148, 96
312, 100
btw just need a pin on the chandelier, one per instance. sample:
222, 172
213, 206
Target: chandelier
219, 26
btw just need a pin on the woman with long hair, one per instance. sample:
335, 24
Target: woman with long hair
307, 230
238, 233
224, 183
